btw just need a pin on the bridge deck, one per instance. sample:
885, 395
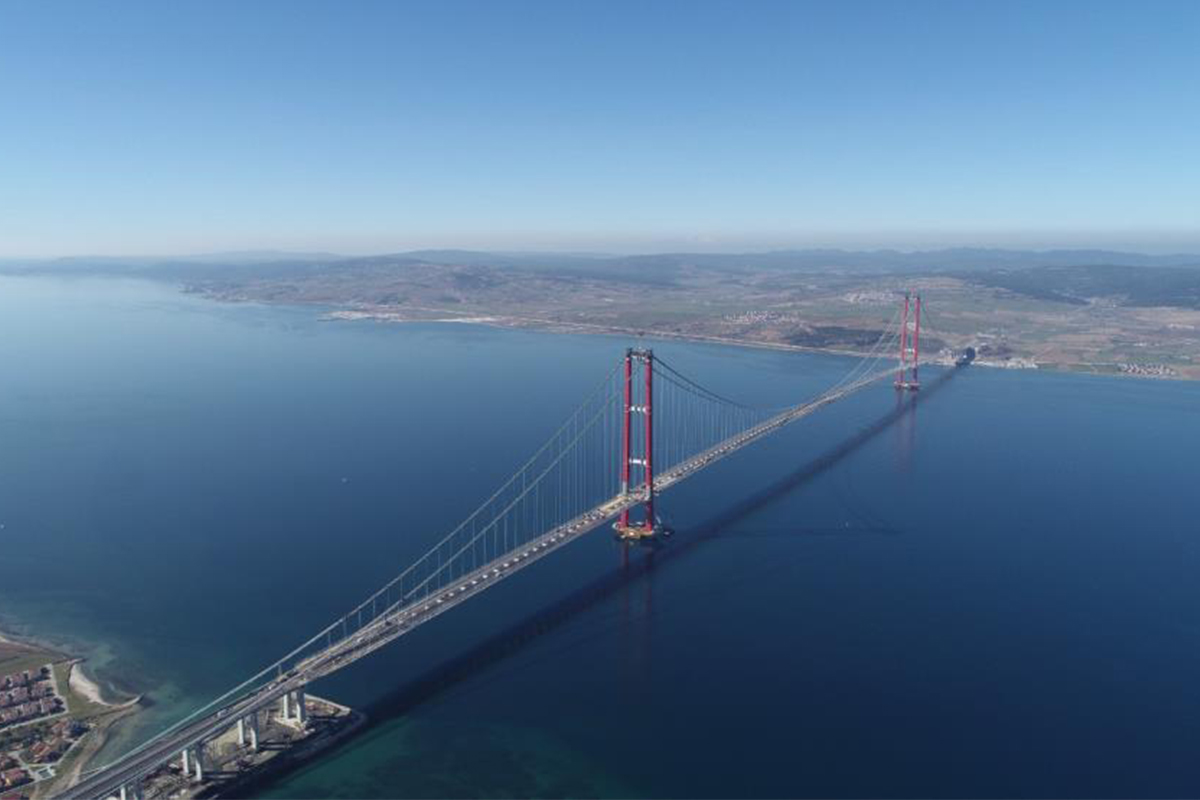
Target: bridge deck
385, 629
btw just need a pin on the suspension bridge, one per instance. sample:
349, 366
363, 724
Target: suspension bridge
645, 428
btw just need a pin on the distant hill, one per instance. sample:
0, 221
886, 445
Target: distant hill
1078, 309
818, 260
1077, 285
654, 268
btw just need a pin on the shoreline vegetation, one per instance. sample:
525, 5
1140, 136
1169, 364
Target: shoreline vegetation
1068, 311
88, 702
1102, 312
79, 681
598, 329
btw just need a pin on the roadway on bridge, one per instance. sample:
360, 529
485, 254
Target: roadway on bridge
142, 761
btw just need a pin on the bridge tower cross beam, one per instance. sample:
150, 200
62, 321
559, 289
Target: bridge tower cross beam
645, 358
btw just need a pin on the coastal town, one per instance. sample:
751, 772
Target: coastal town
36, 730
51, 718
28, 695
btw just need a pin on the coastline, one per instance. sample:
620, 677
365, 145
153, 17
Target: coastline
294, 760
558, 326
83, 684
586, 328
10, 637
78, 680
87, 701
89, 747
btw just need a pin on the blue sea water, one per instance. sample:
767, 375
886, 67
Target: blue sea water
991, 593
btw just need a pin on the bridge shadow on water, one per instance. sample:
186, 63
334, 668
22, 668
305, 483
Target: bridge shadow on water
495, 649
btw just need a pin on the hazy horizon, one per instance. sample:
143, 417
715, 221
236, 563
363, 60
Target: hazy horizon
1187, 247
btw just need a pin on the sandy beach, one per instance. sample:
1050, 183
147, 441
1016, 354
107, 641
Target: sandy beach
83, 685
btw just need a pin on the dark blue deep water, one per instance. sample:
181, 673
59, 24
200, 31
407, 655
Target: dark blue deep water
993, 593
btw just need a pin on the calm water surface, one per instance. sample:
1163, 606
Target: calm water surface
993, 593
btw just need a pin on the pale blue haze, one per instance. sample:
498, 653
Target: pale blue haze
150, 127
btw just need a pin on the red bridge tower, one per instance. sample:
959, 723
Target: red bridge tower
910, 350
644, 360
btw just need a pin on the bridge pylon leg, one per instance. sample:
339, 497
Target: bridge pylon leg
301, 709
907, 378
916, 380
286, 709
186, 761
253, 726
241, 728
627, 530
198, 762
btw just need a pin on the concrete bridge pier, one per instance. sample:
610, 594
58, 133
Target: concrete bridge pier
247, 728
198, 762
301, 709
131, 791
185, 758
295, 710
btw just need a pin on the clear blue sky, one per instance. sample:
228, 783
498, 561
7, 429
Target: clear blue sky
171, 127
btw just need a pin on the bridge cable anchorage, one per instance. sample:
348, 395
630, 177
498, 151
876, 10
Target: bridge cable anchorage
582, 476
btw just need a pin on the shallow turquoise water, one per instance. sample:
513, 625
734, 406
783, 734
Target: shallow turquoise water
992, 594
